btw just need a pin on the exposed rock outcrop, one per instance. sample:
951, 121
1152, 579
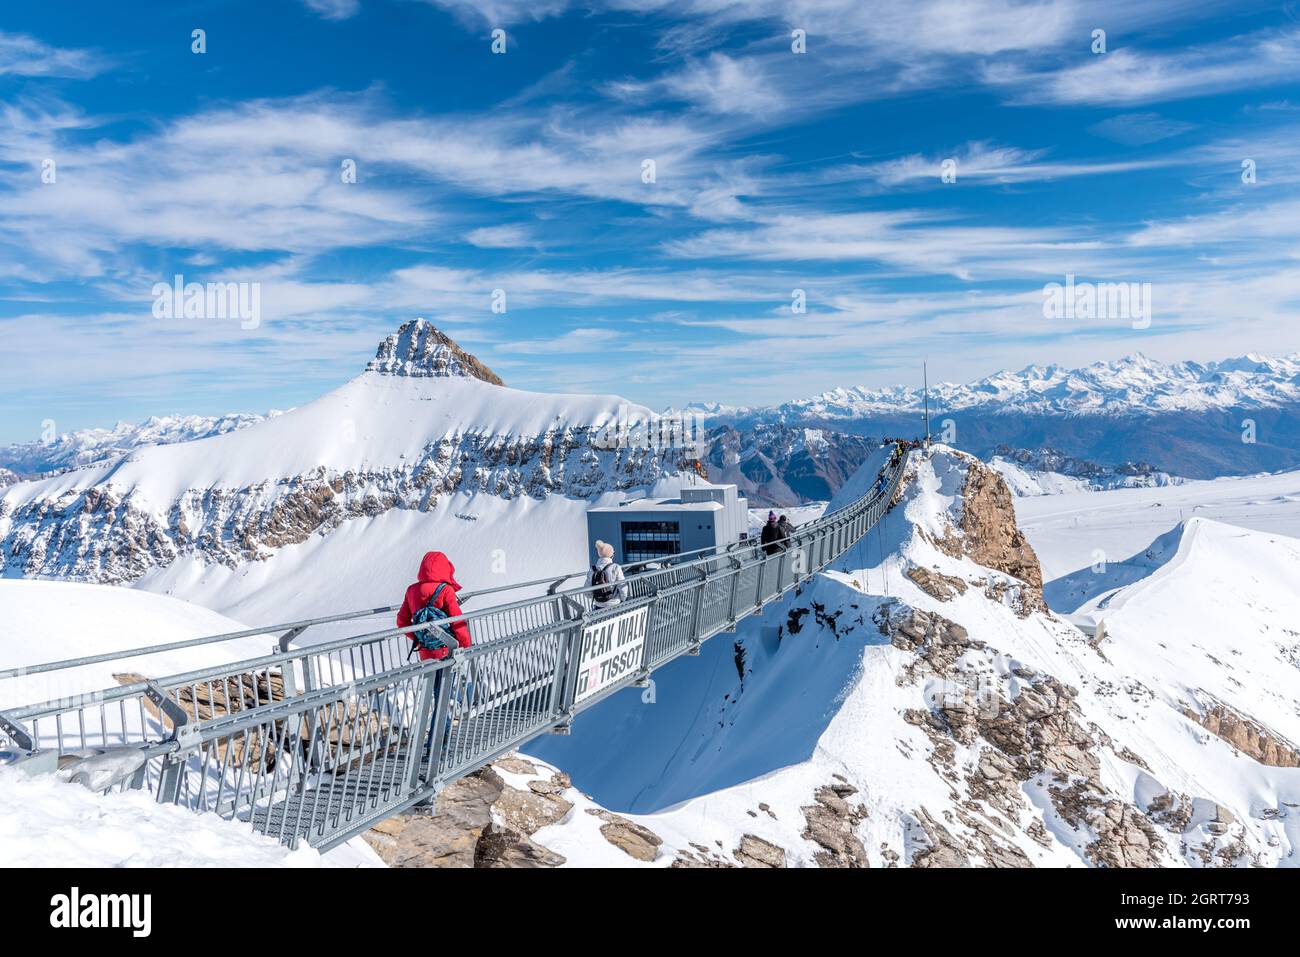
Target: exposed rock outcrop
420, 349
1033, 735
479, 821
756, 852
1246, 735
632, 838
832, 823
989, 535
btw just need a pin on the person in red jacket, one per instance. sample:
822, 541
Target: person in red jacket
436, 569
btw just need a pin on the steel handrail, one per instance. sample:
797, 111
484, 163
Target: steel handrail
302, 625
745, 551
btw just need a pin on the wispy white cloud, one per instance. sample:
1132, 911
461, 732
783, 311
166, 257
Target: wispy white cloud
1139, 129
1129, 75
916, 241
718, 83
501, 13
575, 341
509, 236
22, 55
334, 9
986, 163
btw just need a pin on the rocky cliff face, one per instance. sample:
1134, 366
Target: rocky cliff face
783, 466
102, 534
419, 349
990, 535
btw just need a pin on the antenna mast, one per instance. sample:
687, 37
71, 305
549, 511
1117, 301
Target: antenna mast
925, 375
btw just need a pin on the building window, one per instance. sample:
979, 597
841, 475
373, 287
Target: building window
650, 541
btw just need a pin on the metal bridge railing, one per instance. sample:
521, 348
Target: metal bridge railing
319, 743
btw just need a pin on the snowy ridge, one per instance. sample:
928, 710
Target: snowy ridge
1049, 472
85, 447
1133, 385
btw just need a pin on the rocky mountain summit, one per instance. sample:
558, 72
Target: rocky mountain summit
418, 348
424, 422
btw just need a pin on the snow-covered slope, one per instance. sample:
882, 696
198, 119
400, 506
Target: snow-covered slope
302, 512
1048, 475
45, 822
1075, 531
1025, 482
51, 620
1218, 622
103, 446
919, 706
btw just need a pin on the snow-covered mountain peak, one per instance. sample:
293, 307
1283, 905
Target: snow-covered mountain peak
1134, 385
420, 349
425, 424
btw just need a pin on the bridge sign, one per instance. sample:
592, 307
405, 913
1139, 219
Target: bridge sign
611, 650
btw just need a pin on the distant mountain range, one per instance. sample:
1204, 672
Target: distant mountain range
783, 465
1199, 420
1134, 385
99, 446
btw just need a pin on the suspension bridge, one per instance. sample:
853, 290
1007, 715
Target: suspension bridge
317, 743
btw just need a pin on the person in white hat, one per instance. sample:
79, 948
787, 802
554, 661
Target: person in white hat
606, 577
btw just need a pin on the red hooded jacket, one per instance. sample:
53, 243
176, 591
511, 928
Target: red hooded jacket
434, 570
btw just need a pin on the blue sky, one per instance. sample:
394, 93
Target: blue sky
522, 171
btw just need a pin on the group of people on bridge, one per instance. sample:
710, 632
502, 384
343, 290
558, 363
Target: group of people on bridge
433, 594
776, 534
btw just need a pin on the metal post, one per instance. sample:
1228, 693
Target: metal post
737, 565
424, 716
693, 642
286, 670
568, 690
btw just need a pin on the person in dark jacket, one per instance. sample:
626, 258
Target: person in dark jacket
784, 531
771, 535
435, 569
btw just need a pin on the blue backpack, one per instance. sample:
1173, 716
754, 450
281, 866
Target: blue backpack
435, 636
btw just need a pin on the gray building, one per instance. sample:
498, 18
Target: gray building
649, 529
